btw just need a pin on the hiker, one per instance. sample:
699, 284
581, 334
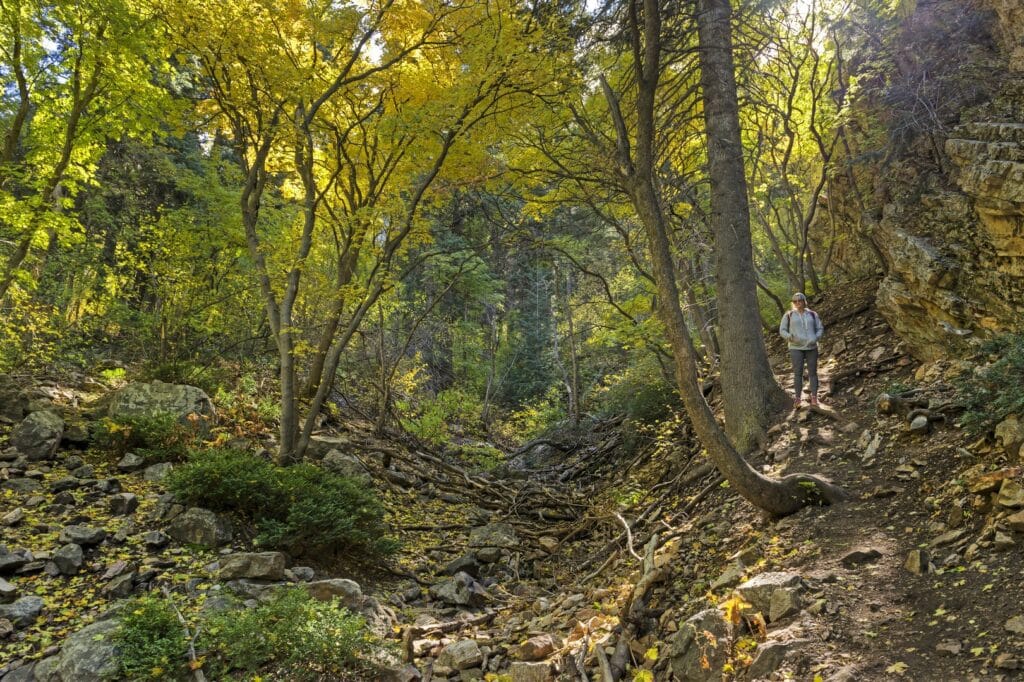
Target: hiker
802, 328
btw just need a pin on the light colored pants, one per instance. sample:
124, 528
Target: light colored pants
799, 357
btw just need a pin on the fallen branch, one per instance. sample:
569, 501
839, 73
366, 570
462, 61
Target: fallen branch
194, 664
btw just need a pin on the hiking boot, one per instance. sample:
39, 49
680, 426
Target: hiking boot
796, 403
814, 400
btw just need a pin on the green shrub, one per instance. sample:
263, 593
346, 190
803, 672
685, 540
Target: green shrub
156, 438
300, 508
150, 641
291, 632
997, 391
309, 639
226, 480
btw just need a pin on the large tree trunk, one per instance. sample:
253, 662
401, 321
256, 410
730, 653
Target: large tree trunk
751, 393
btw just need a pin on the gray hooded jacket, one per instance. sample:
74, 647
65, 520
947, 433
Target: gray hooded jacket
801, 330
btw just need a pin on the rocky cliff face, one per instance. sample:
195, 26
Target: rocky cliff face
945, 206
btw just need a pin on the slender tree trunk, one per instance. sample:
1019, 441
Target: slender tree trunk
749, 389
777, 497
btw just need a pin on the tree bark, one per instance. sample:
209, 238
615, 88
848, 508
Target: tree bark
750, 392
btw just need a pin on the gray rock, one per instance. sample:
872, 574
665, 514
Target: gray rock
200, 527
89, 654
861, 555
460, 590
21, 485
68, 558
347, 591
38, 435
320, 446
84, 471
13, 517
1016, 522
406, 673
64, 484
260, 565
346, 465
465, 653
86, 536
22, 612
123, 504
494, 535
729, 578
156, 473
8, 592
759, 590
303, 573
1010, 433
25, 673
490, 555
920, 425
121, 586
156, 539
130, 462
158, 398
784, 603
13, 400
700, 640
769, 656
521, 671
464, 564
1003, 541
12, 561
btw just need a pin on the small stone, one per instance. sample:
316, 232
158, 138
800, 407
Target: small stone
986, 483
84, 471
548, 544
12, 561
13, 517
523, 671
949, 647
303, 573
860, 556
920, 425
22, 612
21, 485
1008, 662
1003, 541
1016, 522
6, 630
123, 504
121, 586
65, 484
259, 565
1015, 625
948, 538
917, 561
538, 648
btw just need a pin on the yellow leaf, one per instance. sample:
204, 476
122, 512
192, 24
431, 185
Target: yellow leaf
643, 676
897, 668
651, 654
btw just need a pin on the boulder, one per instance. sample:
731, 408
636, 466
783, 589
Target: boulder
86, 536
494, 535
68, 558
769, 656
22, 612
699, 649
155, 539
259, 565
465, 653
347, 591
199, 526
760, 590
189, 404
89, 655
21, 485
38, 435
320, 446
